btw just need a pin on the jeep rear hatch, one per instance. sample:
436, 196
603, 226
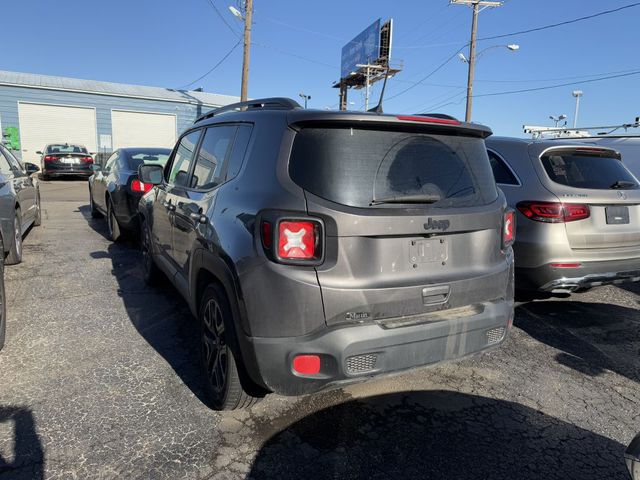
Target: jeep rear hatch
412, 216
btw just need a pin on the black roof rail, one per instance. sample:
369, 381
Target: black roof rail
275, 103
437, 115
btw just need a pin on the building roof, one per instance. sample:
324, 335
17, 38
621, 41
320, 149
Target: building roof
48, 82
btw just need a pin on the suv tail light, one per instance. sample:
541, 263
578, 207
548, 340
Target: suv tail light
294, 241
554, 212
50, 158
140, 187
508, 228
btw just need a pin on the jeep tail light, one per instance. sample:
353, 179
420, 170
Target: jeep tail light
553, 212
508, 228
298, 240
267, 239
139, 187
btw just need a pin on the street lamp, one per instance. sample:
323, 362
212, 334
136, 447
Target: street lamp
558, 119
471, 61
306, 98
248, 14
577, 94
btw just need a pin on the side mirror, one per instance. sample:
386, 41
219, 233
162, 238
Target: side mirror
152, 174
39, 152
632, 458
31, 168
95, 167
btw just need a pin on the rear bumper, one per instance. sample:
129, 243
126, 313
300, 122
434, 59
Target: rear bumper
353, 354
54, 170
590, 274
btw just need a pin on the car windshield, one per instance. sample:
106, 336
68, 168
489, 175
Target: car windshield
156, 157
368, 168
597, 170
66, 148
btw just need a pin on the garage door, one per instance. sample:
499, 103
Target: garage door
138, 129
43, 124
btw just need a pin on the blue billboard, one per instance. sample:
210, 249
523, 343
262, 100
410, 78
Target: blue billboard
364, 48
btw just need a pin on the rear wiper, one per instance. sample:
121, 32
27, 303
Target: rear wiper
623, 184
415, 198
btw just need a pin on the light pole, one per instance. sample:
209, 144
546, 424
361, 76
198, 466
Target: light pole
577, 94
306, 98
247, 17
558, 119
473, 56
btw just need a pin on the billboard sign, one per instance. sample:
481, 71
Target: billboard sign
365, 47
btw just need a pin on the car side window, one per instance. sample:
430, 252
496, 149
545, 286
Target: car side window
111, 161
239, 150
5, 166
13, 161
501, 172
212, 155
183, 159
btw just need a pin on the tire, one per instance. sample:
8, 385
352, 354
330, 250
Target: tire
3, 306
38, 219
223, 386
15, 252
94, 211
150, 271
115, 233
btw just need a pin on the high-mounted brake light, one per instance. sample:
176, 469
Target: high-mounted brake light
508, 228
140, 187
298, 240
554, 212
417, 118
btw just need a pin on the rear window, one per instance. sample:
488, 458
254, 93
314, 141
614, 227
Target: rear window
363, 168
588, 170
154, 157
66, 148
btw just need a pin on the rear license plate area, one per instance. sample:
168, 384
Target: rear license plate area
428, 251
617, 215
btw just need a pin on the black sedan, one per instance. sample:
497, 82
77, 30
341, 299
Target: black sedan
59, 159
19, 203
115, 190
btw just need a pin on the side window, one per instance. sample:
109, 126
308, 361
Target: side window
111, 162
13, 161
501, 172
210, 166
5, 167
182, 160
239, 150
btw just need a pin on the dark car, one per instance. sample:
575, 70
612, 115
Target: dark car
115, 190
3, 303
632, 458
578, 214
19, 203
323, 248
63, 159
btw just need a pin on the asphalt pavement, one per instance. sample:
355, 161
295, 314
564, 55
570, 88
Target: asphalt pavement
99, 379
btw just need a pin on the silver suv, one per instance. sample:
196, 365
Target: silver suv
578, 213
322, 248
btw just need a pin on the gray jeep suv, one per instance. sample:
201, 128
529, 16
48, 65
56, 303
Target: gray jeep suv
323, 248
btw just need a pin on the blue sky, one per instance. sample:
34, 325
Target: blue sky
297, 48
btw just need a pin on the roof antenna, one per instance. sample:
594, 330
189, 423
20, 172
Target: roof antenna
378, 108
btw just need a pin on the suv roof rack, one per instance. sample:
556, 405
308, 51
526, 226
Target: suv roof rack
274, 103
437, 115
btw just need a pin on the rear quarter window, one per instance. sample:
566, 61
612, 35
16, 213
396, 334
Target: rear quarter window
355, 167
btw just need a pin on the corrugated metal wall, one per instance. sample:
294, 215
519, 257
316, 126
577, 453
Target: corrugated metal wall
10, 96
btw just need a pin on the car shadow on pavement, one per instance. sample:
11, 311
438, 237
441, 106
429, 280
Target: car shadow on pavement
28, 453
159, 314
592, 337
436, 435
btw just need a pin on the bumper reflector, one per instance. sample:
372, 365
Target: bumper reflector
306, 364
566, 265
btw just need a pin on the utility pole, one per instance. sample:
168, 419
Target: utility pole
248, 16
475, 4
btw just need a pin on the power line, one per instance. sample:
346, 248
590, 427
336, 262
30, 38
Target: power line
213, 5
567, 22
295, 55
585, 76
212, 68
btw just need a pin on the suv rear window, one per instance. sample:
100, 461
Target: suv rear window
357, 167
595, 170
